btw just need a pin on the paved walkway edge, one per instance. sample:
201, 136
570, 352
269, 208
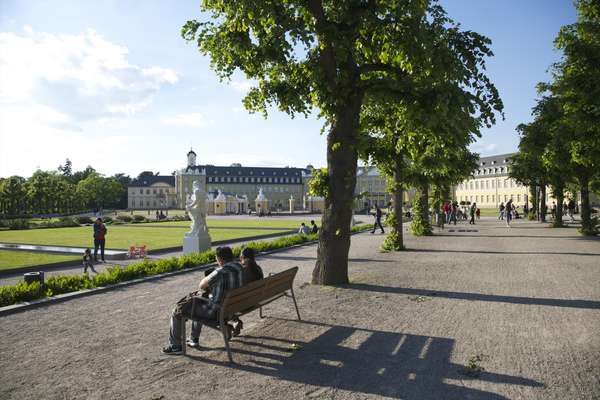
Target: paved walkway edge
16, 308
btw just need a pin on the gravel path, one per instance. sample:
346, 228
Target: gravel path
520, 306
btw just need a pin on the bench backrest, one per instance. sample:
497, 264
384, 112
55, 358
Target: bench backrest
258, 292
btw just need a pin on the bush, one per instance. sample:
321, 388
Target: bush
84, 220
21, 292
139, 218
107, 220
124, 218
18, 224
67, 283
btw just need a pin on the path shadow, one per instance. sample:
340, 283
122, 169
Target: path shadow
504, 252
576, 303
390, 364
304, 258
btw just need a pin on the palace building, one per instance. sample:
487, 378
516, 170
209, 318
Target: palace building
278, 184
490, 184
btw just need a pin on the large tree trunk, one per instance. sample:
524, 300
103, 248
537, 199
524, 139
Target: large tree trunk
559, 193
334, 236
586, 220
534, 200
395, 239
543, 207
420, 225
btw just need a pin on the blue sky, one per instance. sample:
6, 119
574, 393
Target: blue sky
111, 84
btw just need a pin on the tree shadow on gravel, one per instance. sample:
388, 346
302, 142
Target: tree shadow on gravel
365, 361
553, 253
304, 258
576, 303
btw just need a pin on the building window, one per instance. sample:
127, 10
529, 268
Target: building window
141, 191
147, 191
210, 178
493, 198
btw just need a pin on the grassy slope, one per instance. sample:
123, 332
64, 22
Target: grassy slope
249, 223
16, 259
120, 237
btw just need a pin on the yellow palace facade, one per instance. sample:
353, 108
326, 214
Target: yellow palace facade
490, 184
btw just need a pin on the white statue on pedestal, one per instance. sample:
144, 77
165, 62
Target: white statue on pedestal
197, 238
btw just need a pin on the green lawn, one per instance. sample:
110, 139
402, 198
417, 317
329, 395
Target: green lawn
240, 223
121, 236
17, 259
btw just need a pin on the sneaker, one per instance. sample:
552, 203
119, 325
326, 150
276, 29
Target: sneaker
172, 350
191, 342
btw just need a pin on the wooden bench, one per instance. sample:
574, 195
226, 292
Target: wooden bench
246, 299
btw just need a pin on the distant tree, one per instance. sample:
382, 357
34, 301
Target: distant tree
13, 192
145, 174
67, 169
124, 181
80, 175
97, 191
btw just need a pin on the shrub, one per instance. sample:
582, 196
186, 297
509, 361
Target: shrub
124, 218
67, 283
139, 218
84, 220
18, 224
67, 222
107, 220
21, 292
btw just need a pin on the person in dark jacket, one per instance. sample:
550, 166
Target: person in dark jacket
313, 227
99, 238
377, 216
251, 272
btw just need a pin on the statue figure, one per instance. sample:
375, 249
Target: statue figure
196, 208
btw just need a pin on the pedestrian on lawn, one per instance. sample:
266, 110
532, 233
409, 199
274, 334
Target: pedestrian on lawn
99, 239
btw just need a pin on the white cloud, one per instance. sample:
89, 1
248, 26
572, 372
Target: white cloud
484, 148
67, 96
194, 120
81, 77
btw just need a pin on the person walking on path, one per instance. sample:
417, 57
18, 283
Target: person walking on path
87, 261
99, 238
472, 214
571, 209
377, 219
453, 212
508, 211
447, 211
501, 211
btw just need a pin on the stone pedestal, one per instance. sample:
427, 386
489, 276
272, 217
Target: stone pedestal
196, 244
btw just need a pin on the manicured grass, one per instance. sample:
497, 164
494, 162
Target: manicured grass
488, 212
240, 223
121, 236
17, 259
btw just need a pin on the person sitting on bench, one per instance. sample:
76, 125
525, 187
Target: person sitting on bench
227, 276
252, 272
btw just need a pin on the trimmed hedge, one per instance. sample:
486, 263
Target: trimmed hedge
60, 284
